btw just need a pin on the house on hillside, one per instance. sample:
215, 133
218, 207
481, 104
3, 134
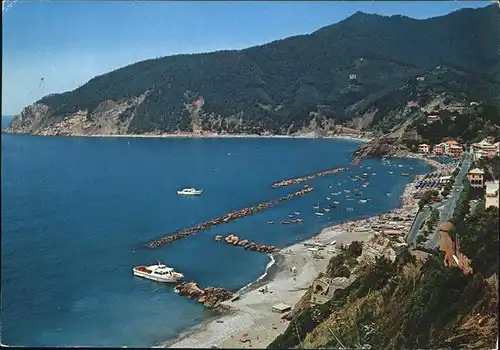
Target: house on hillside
491, 195
453, 148
440, 148
455, 151
476, 178
449, 245
484, 149
423, 148
323, 288
433, 118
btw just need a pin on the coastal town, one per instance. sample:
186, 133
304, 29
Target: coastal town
251, 175
421, 226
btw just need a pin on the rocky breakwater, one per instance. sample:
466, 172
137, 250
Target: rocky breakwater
238, 242
211, 297
294, 181
226, 218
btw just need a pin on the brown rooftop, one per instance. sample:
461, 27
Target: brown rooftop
446, 226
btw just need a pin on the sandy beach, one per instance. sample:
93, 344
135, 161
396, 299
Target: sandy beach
219, 136
253, 315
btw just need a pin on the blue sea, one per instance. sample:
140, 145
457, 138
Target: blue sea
76, 213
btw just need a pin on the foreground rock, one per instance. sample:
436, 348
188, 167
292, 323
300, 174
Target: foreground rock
211, 297
237, 241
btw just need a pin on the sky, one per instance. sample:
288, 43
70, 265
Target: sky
68, 42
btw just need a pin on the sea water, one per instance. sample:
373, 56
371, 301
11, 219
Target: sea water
76, 213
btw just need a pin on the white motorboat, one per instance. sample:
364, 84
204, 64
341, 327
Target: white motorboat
190, 192
159, 273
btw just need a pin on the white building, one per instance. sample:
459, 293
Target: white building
491, 195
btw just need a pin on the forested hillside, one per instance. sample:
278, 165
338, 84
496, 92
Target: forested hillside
336, 73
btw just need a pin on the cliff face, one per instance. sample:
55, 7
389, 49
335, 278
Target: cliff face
109, 118
360, 72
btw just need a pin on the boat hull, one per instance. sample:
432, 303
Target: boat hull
153, 277
198, 193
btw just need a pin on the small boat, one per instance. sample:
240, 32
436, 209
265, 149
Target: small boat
328, 198
349, 209
159, 273
326, 209
318, 213
285, 222
391, 172
405, 174
335, 202
399, 165
299, 220
290, 216
333, 242
297, 212
389, 194
313, 249
365, 185
270, 222
190, 192
374, 174
347, 191
362, 201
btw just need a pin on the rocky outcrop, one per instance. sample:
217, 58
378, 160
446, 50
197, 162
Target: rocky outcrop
108, 118
244, 243
31, 120
211, 297
378, 147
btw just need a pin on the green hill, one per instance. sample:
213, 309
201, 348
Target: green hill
281, 86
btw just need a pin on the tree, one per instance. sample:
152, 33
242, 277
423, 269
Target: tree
355, 249
420, 239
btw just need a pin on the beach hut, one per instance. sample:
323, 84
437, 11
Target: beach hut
281, 308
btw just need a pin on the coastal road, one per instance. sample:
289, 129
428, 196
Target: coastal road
420, 218
449, 207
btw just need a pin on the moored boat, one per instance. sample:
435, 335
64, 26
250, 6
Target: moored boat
159, 273
189, 192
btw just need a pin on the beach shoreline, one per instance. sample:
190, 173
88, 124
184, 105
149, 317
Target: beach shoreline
206, 136
251, 314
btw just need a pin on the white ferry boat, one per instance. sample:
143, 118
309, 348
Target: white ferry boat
190, 192
159, 273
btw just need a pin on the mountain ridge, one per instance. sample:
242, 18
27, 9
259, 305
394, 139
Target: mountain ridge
279, 87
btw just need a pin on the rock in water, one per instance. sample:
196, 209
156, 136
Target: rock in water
211, 297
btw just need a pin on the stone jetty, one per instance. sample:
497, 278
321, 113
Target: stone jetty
291, 182
226, 218
211, 297
237, 241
